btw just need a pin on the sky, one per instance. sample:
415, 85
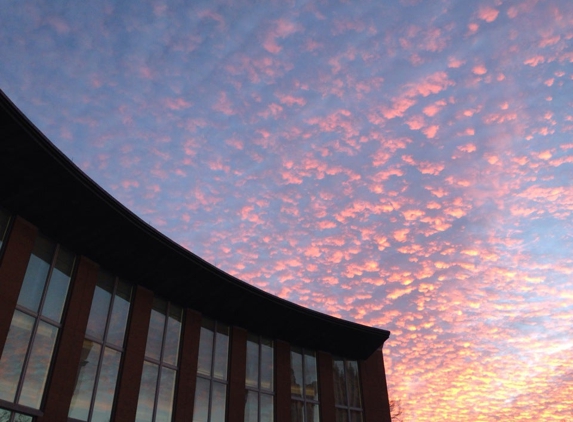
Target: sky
403, 164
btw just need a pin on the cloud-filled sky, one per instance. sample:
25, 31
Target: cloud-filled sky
402, 164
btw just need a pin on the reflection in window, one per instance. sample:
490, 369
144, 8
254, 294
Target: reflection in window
347, 391
8, 416
211, 389
303, 386
102, 350
4, 220
259, 380
157, 388
27, 355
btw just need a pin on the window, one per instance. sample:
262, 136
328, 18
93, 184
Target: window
303, 386
8, 416
102, 350
27, 355
347, 391
211, 389
259, 380
4, 220
157, 388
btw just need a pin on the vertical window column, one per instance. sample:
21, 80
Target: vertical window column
157, 388
304, 386
211, 387
102, 350
347, 397
259, 380
27, 354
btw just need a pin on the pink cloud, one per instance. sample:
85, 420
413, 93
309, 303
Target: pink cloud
431, 131
291, 100
282, 28
223, 105
431, 84
535, 60
479, 69
177, 103
217, 17
488, 14
434, 108
399, 107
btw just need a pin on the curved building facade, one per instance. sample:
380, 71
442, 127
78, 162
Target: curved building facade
103, 318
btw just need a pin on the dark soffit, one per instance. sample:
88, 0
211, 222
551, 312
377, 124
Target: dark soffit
46, 188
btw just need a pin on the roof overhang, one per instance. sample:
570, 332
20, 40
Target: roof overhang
43, 186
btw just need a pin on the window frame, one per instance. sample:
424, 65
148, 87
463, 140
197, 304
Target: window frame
347, 407
259, 390
211, 378
103, 343
303, 397
15, 407
160, 363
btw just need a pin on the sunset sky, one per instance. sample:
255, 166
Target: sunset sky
403, 164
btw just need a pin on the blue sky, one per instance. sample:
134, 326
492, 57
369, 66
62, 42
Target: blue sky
402, 164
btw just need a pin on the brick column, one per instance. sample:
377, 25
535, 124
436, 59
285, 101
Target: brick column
18, 247
60, 389
237, 373
187, 378
374, 389
282, 381
132, 367
326, 387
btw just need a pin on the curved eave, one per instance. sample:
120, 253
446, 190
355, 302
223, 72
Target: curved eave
43, 186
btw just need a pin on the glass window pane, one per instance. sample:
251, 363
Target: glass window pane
310, 376
146, 401
339, 383
201, 408
155, 333
14, 354
18, 417
252, 375
38, 365
58, 286
166, 393
171, 348
267, 372
267, 408
205, 352
296, 380
106, 386
353, 383
312, 412
221, 352
5, 415
81, 401
36, 273
252, 407
100, 306
119, 314
355, 416
296, 411
218, 402
341, 415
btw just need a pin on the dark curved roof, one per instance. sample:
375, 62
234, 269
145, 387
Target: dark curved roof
43, 186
